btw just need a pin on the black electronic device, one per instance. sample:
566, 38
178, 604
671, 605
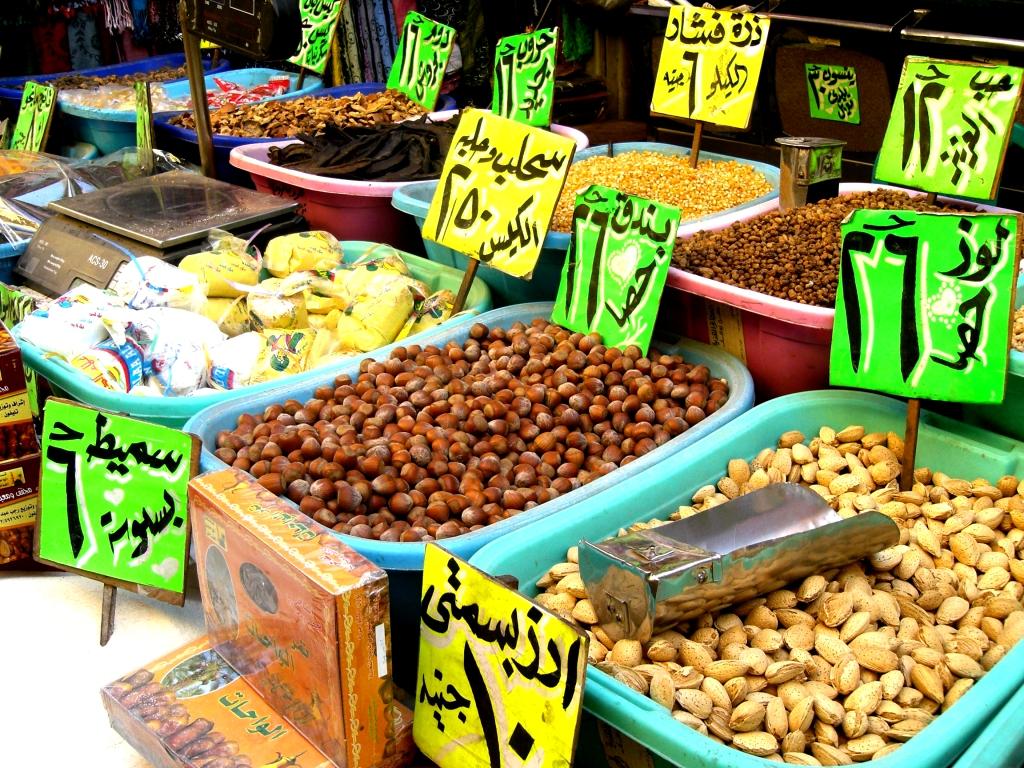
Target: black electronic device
262, 29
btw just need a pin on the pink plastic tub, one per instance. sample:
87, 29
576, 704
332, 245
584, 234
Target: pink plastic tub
785, 344
350, 210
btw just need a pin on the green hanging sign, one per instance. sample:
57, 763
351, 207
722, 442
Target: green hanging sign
618, 262
950, 126
34, 119
421, 59
832, 93
524, 77
319, 23
924, 304
114, 499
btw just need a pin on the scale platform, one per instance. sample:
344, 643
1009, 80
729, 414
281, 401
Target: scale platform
166, 216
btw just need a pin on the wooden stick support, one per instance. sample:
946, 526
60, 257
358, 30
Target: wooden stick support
336, 75
930, 198
910, 443
197, 90
467, 283
301, 81
107, 616
698, 129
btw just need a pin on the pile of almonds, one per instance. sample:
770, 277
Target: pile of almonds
846, 665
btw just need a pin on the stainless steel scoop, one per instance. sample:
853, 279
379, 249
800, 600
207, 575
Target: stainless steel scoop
648, 581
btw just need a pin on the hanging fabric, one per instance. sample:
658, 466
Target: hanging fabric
84, 41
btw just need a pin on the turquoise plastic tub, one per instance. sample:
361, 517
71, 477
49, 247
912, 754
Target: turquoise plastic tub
959, 449
1007, 418
1002, 742
111, 130
175, 411
414, 199
404, 561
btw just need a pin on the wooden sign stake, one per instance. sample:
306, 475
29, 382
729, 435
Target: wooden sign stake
301, 81
197, 89
107, 616
910, 443
930, 198
698, 129
467, 283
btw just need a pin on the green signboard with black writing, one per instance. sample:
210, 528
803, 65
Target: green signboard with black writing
33, 126
114, 494
832, 93
924, 303
524, 77
421, 59
319, 22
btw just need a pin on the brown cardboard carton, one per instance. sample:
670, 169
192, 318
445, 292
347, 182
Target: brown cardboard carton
191, 709
19, 458
303, 617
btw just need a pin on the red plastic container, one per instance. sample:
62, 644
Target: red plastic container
348, 209
785, 344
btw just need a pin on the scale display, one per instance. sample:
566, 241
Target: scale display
171, 208
259, 28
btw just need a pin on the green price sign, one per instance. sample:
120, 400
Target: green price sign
319, 22
832, 93
924, 303
113, 499
421, 58
34, 118
617, 266
949, 127
524, 77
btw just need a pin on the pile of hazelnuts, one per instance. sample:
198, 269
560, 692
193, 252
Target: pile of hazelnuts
436, 442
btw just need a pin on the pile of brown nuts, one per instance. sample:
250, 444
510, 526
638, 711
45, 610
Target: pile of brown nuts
843, 666
436, 442
15, 544
160, 75
791, 254
1017, 337
308, 115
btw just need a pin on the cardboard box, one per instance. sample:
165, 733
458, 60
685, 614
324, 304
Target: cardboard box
190, 708
303, 617
19, 457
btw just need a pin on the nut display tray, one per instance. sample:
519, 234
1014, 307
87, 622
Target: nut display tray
943, 445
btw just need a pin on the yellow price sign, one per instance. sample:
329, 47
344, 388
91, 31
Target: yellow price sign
500, 679
498, 190
710, 64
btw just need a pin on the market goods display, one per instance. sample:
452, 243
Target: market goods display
790, 254
1017, 337
309, 115
407, 151
121, 98
847, 665
432, 443
213, 323
712, 186
65, 82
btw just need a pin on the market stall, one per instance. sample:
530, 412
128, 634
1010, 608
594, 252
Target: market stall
406, 432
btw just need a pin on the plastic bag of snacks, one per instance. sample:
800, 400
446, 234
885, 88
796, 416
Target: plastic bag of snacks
431, 311
226, 270
230, 315
232, 362
305, 251
149, 282
71, 323
279, 303
284, 352
118, 367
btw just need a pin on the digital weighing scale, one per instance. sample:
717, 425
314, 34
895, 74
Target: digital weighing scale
167, 216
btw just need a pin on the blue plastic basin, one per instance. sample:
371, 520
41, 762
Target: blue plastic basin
414, 199
960, 450
184, 142
404, 561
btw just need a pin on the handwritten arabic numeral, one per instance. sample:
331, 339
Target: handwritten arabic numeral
910, 343
67, 458
692, 57
601, 220
855, 242
409, 53
482, 701
446, 213
579, 217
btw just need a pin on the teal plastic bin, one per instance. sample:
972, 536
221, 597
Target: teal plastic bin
110, 130
414, 199
962, 450
175, 411
404, 561
1006, 418
1001, 744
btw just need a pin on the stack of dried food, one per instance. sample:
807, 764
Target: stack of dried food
409, 151
161, 75
790, 254
1017, 340
309, 114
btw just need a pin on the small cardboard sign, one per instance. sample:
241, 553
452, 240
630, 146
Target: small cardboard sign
421, 58
710, 64
950, 126
524, 77
924, 304
319, 25
500, 679
832, 93
618, 262
114, 499
498, 190
33, 125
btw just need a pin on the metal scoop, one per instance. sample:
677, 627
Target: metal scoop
648, 581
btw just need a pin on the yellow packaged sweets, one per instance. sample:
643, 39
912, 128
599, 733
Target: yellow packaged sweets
219, 269
317, 251
285, 352
230, 315
429, 312
274, 304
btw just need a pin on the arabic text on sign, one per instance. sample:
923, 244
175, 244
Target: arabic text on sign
421, 59
524, 77
832, 93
